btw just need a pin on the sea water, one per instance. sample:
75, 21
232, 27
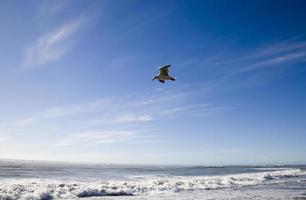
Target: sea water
60, 180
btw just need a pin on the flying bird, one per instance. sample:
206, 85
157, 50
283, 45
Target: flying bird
163, 74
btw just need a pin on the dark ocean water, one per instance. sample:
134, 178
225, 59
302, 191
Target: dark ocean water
58, 180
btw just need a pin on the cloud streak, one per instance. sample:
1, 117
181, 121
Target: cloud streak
24, 122
145, 109
59, 112
284, 53
132, 118
276, 61
52, 46
106, 137
112, 120
74, 109
51, 8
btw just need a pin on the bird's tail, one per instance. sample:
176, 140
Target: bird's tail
172, 78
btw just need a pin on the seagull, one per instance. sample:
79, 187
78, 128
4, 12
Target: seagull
163, 74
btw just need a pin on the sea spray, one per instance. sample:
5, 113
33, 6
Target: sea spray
56, 189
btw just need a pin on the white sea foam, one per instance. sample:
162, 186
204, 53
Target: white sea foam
47, 189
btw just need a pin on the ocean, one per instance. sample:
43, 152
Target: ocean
59, 180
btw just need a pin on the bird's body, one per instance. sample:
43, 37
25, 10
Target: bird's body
163, 74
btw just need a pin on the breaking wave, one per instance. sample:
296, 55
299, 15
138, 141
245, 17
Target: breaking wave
27, 189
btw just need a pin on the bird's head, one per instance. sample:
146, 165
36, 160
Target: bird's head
154, 77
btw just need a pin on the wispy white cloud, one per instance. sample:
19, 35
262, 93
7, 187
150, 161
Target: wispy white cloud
160, 97
133, 118
74, 109
23, 122
103, 114
184, 108
196, 110
57, 112
51, 8
53, 45
231, 62
145, 109
104, 137
165, 107
233, 69
282, 46
275, 61
284, 53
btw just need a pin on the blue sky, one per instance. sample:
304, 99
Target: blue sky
75, 80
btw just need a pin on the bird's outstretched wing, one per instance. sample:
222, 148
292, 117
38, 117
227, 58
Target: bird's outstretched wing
164, 70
